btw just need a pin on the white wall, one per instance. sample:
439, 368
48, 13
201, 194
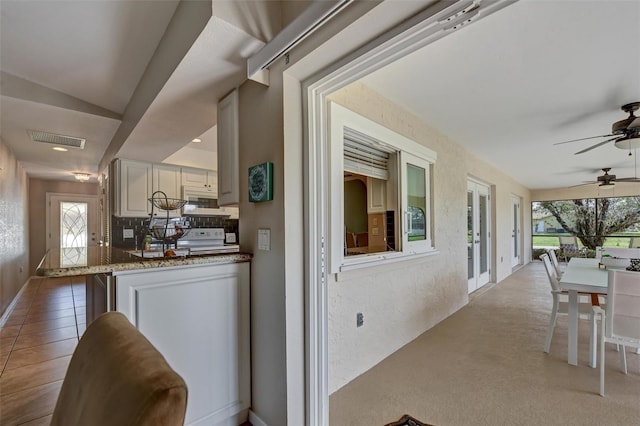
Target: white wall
14, 232
401, 301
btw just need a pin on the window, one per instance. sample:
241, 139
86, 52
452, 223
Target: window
381, 193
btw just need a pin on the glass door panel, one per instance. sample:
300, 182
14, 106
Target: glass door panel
416, 202
73, 224
515, 231
484, 232
478, 235
470, 250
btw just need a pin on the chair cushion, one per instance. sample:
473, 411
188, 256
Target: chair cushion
117, 377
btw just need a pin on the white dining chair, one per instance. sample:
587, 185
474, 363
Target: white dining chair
554, 261
561, 306
621, 316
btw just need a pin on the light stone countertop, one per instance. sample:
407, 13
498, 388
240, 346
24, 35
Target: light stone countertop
96, 260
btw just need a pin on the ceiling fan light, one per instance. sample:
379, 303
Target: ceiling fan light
628, 142
607, 185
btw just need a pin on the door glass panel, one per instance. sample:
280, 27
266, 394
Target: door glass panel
73, 224
515, 230
416, 202
470, 233
483, 206
73, 233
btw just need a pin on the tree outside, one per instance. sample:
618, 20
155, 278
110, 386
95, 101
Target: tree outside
593, 220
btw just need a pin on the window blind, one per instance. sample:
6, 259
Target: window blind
362, 156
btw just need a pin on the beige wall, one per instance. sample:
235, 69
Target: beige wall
38, 189
400, 301
260, 141
14, 233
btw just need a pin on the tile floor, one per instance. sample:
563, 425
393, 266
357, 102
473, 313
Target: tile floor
36, 343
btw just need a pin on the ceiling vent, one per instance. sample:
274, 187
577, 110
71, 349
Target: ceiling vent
52, 138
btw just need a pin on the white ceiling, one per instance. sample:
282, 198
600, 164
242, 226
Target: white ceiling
534, 73
85, 69
506, 87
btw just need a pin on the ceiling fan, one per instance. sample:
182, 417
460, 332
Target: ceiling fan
626, 133
608, 180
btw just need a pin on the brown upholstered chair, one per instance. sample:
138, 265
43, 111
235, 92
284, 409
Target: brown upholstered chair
117, 377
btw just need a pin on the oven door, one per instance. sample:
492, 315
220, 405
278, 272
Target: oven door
203, 203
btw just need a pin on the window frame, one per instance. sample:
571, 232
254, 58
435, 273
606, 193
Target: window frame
407, 149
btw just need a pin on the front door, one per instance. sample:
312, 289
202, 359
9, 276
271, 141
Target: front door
478, 234
72, 222
515, 231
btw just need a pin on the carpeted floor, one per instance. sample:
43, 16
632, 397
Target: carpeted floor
484, 365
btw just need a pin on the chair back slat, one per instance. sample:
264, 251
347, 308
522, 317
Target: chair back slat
554, 261
623, 304
551, 272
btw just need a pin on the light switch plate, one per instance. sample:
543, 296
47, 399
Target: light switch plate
127, 233
230, 237
264, 239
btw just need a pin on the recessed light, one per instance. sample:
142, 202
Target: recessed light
59, 148
196, 140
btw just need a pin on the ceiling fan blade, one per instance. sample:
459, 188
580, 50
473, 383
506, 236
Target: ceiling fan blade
583, 184
628, 180
583, 139
596, 145
634, 124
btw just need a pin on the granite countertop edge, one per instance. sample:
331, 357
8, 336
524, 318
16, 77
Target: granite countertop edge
164, 262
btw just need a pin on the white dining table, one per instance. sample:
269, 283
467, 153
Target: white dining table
581, 276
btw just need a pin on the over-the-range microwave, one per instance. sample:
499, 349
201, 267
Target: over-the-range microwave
201, 202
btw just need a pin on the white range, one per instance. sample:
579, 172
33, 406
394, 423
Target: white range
207, 241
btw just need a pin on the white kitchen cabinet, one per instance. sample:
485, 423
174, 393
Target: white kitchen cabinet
228, 156
200, 178
133, 183
198, 318
376, 195
167, 178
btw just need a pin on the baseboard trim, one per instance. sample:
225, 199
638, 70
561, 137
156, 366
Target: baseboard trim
12, 305
255, 420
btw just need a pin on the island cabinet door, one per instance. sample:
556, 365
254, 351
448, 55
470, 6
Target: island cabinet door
198, 318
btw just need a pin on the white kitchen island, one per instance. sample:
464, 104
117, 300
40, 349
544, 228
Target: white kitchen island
195, 311
198, 318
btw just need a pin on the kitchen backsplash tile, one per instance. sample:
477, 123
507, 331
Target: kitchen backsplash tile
138, 225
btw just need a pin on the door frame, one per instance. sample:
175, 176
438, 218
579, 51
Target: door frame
412, 34
481, 188
58, 197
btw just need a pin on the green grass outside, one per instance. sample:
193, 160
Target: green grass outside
552, 240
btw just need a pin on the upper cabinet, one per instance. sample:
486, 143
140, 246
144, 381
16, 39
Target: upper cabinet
167, 178
376, 195
135, 182
132, 186
199, 178
228, 138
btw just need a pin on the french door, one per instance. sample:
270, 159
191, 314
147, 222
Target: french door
516, 231
478, 235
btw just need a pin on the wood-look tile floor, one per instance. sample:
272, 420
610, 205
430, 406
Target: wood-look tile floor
36, 343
